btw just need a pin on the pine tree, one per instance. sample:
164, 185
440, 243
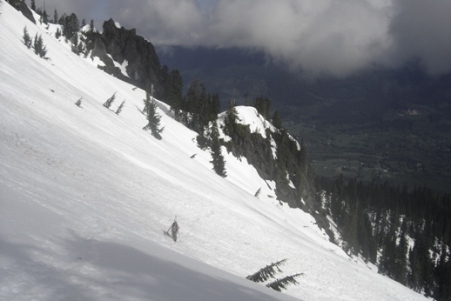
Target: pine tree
195, 105
109, 101
58, 33
280, 284
33, 5
26, 38
276, 120
55, 17
258, 192
39, 47
152, 117
267, 272
231, 121
174, 90
70, 24
119, 109
45, 16
263, 106
217, 157
78, 102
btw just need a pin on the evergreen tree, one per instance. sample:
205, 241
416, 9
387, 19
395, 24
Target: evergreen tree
174, 89
70, 24
263, 106
267, 272
119, 109
217, 157
152, 117
26, 39
58, 33
33, 5
55, 17
109, 101
39, 47
231, 121
280, 284
195, 105
78, 102
45, 16
74, 46
276, 120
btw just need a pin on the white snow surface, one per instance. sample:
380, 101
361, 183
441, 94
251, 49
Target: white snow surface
85, 196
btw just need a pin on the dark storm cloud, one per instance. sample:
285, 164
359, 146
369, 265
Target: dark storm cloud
335, 37
421, 29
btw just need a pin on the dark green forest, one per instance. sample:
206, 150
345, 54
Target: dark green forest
406, 233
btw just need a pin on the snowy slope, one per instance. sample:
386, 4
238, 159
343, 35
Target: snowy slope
86, 194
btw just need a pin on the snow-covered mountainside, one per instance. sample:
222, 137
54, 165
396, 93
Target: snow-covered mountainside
86, 194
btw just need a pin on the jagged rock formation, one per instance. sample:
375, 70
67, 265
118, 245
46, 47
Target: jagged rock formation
21, 6
290, 170
119, 44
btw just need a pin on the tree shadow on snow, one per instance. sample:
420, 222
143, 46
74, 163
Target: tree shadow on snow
134, 274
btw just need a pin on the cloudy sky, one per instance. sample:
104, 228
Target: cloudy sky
335, 37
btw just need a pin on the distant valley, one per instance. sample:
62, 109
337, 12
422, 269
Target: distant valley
377, 125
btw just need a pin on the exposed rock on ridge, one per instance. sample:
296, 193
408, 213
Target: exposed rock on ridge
23, 8
119, 44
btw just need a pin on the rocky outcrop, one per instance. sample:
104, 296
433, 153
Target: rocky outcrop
289, 170
21, 6
119, 44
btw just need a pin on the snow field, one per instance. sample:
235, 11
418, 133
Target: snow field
86, 194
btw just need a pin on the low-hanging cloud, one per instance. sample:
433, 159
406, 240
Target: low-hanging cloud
332, 37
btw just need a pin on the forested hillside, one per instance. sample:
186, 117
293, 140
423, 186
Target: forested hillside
407, 233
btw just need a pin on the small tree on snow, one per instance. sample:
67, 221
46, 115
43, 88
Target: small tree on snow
78, 102
280, 284
39, 47
119, 109
267, 272
258, 192
109, 101
153, 118
217, 157
58, 33
26, 38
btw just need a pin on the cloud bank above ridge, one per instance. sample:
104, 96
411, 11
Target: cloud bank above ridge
332, 37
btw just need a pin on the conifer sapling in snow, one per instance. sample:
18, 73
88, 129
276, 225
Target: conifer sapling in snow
267, 272
280, 284
39, 47
109, 101
78, 102
26, 38
119, 109
258, 192
153, 118
217, 157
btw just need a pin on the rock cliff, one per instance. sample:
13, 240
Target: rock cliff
121, 45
